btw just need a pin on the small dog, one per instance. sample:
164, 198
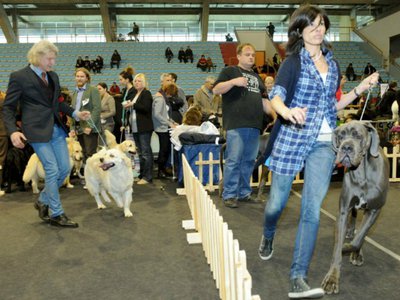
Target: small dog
365, 186
34, 171
127, 146
15, 166
109, 171
76, 153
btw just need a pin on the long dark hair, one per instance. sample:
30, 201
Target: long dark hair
300, 19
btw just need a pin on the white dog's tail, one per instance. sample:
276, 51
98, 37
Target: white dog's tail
30, 169
111, 141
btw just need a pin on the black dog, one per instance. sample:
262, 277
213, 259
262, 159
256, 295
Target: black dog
14, 167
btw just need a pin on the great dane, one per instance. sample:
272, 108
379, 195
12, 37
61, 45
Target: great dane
365, 186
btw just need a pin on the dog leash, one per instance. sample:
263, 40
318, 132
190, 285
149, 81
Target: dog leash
93, 125
366, 102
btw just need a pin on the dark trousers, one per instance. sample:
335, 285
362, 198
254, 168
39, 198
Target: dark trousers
165, 148
89, 143
143, 144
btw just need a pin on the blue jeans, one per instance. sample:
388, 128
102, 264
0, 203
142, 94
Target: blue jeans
317, 175
55, 160
143, 144
240, 154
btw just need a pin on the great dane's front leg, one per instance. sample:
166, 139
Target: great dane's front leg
331, 281
356, 256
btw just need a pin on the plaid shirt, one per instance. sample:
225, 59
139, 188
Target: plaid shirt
294, 142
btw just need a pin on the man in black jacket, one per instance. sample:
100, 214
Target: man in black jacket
35, 90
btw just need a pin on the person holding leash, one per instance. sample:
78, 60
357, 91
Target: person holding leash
242, 113
304, 98
35, 90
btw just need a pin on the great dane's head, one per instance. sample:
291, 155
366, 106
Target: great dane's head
353, 141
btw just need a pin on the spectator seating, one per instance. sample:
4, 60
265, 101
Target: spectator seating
147, 58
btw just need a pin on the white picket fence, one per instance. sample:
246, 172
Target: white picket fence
211, 161
227, 262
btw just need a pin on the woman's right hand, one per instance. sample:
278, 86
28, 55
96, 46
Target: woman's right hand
296, 115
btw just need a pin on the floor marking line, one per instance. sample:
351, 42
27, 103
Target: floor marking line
367, 239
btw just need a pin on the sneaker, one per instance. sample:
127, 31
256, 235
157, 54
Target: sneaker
299, 289
231, 202
142, 181
247, 198
266, 248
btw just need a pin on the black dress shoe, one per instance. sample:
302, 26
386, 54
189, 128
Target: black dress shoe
63, 221
43, 210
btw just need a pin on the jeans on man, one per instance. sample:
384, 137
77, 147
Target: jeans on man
143, 144
240, 154
317, 175
55, 160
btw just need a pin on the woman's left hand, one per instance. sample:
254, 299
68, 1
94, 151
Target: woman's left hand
368, 82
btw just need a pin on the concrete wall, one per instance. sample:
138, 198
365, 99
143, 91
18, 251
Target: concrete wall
380, 32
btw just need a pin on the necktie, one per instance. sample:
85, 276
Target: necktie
44, 78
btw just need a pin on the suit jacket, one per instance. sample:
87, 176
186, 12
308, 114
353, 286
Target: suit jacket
38, 112
90, 102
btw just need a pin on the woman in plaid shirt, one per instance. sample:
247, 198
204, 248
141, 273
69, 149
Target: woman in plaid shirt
304, 99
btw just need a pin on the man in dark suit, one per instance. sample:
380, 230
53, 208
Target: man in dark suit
35, 90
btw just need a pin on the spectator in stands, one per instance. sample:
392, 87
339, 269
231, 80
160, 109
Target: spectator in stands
86, 97
271, 30
87, 64
189, 54
107, 108
141, 126
182, 55
204, 98
202, 63
33, 89
128, 93
162, 122
266, 68
385, 106
114, 89
97, 64
369, 69
351, 76
210, 64
134, 33
305, 139
3, 140
181, 93
228, 37
169, 54
79, 62
115, 59
120, 38
242, 107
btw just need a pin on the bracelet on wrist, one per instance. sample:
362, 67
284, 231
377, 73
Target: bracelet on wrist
355, 92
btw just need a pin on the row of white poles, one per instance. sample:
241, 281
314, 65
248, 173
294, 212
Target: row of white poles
227, 262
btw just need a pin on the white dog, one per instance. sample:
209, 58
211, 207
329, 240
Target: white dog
109, 171
127, 146
34, 169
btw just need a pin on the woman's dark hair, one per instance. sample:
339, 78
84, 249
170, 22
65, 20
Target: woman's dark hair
300, 19
103, 85
128, 74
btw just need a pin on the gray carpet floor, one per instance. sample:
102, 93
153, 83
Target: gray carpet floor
147, 256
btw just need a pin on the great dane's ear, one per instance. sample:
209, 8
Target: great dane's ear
335, 143
374, 146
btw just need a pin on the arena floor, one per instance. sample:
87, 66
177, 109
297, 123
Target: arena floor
147, 256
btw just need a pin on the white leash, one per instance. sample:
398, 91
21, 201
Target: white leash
366, 102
